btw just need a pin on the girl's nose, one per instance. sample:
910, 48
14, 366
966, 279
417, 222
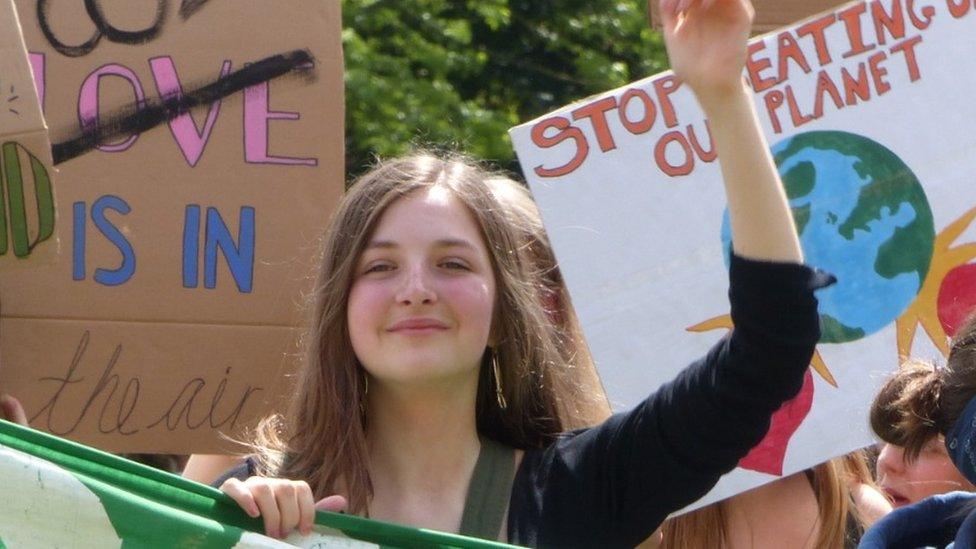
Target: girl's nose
416, 287
890, 460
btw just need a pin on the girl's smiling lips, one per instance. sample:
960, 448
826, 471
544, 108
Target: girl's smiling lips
417, 325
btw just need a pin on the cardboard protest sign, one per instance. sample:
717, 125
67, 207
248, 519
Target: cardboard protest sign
27, 207
770, 14
869, 116
200, 151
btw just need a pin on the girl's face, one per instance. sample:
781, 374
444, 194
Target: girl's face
423, 293
932, 473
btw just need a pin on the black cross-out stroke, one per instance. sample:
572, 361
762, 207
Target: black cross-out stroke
137, 118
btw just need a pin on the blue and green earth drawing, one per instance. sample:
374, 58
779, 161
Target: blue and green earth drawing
862, 215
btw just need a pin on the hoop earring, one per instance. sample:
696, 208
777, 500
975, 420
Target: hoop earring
499, 393
362, 402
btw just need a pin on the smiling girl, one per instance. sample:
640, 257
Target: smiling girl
434, 391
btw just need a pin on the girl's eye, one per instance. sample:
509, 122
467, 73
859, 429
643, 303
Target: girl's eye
455, 264
380, 267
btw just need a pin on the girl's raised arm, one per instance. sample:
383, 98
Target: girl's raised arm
706, 42
672, 449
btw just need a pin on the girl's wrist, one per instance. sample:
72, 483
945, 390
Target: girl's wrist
717, 99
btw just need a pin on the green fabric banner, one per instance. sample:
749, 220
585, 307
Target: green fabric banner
57, 493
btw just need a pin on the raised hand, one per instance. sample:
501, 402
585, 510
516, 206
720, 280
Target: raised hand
706, 42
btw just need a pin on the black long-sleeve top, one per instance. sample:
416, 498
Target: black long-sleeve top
612, 485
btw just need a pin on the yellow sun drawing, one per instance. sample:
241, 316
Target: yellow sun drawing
924, 310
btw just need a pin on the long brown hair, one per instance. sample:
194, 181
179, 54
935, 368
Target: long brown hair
922, 401
582, 401
322, 438
831, 483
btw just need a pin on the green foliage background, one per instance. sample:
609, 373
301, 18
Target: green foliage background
459, 73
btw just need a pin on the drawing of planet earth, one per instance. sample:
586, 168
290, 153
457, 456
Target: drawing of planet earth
861, 214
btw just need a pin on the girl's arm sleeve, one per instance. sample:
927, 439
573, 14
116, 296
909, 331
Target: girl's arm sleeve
614, 484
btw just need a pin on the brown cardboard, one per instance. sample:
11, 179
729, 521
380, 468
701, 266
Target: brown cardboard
771, 14
28, 223
95, 384
274, 151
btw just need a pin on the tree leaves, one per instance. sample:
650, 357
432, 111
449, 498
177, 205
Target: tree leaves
459, 73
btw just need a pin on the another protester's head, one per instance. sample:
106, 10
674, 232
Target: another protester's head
913, 413
831, 486
519, 373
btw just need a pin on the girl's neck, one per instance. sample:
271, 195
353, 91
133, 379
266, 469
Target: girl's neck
417, 429
423, 446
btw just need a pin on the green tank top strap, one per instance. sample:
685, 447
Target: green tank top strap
489, 491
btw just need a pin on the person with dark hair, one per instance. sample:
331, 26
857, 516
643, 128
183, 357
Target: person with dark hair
937, 404
913, 463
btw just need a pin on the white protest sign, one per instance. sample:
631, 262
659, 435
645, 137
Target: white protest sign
869, 113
